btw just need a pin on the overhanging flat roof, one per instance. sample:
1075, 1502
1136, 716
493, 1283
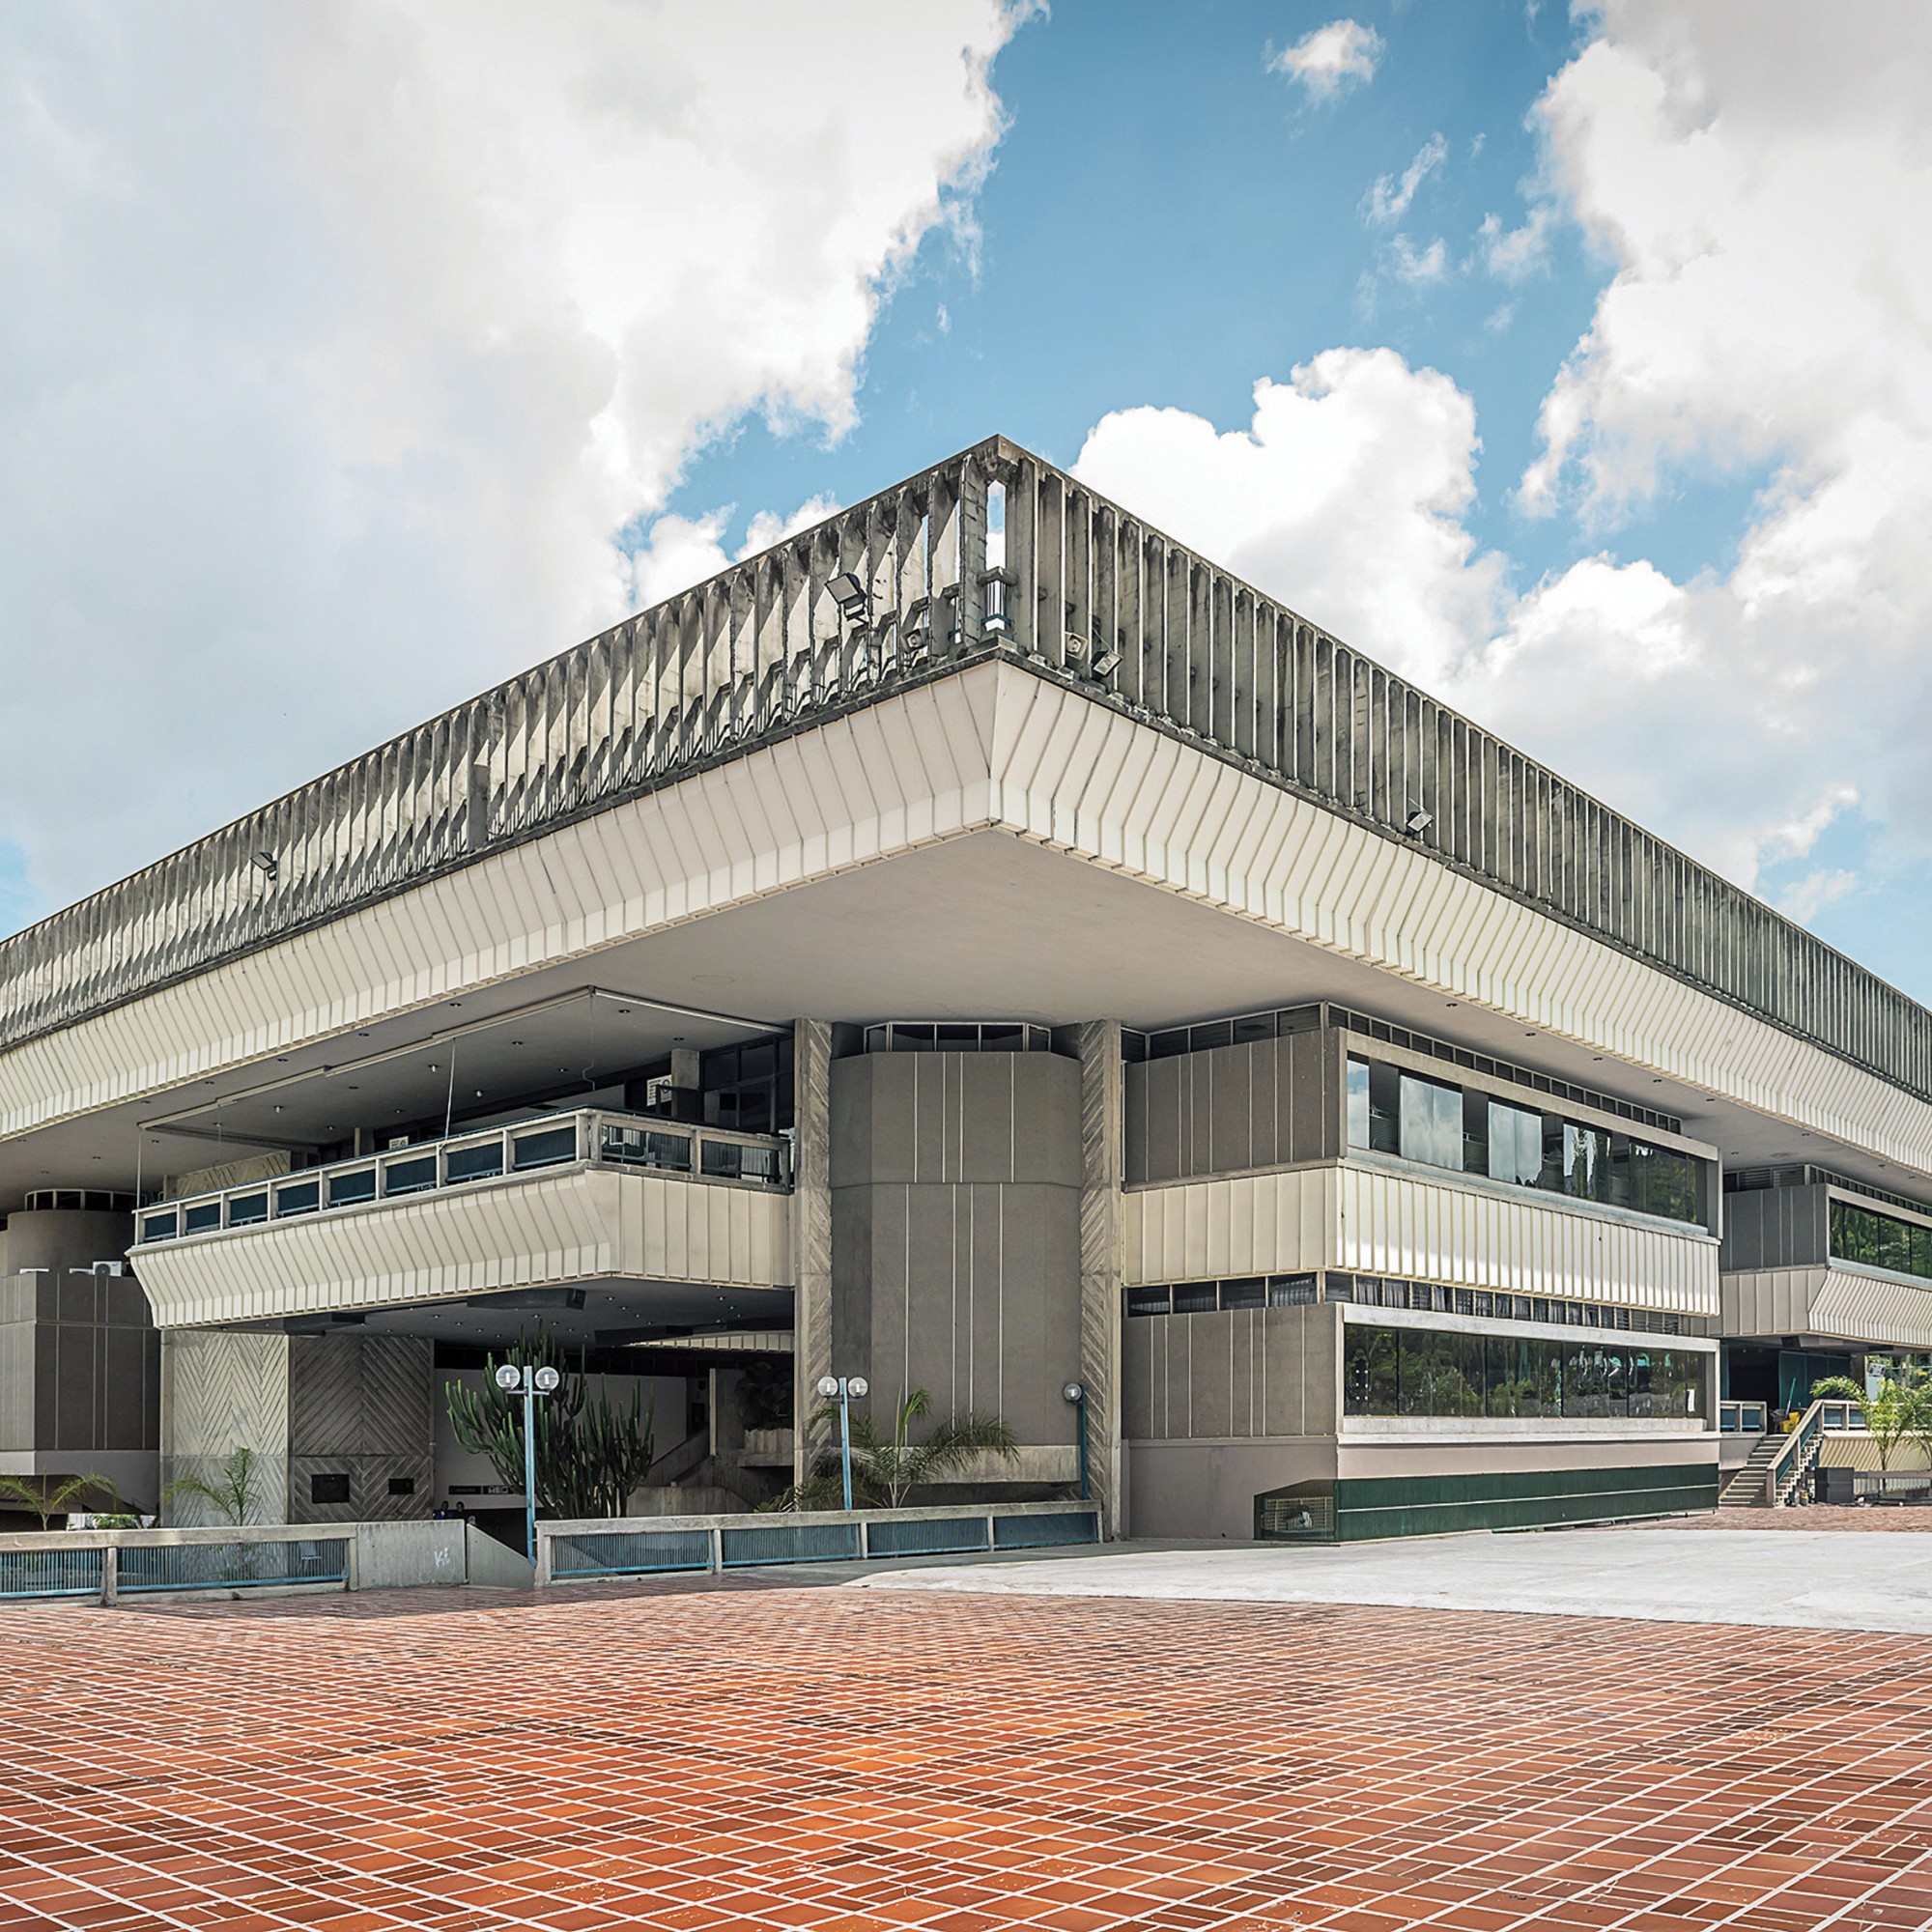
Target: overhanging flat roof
897, 591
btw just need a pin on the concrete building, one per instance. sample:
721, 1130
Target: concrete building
982, 945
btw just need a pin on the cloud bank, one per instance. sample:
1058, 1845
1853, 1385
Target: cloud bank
1757, 182
341, 342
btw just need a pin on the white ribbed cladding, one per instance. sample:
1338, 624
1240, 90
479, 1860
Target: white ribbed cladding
575, 1226
767, 648
1840, 1302
1371, 1222
1000, 748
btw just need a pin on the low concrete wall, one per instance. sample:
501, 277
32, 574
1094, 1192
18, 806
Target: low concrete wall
410, 1555
494, 1565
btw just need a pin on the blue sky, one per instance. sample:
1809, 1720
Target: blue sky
1612, 425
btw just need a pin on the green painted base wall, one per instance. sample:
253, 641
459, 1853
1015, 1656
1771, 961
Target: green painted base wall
1362, 1509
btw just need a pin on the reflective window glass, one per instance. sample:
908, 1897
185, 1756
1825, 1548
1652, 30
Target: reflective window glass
1431, 1124
1358, 1103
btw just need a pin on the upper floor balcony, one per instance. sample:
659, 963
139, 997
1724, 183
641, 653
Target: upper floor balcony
559, 1199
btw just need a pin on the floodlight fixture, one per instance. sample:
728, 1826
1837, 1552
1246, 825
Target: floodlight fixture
1418, 820
267, 864
1105, 664
848, 593
1075, 645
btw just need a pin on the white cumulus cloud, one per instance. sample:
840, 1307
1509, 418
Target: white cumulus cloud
340, 343
1757, 182
1388, 199
1331, 59
1345, 495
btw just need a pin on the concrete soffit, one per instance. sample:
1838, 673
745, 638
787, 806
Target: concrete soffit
997, 747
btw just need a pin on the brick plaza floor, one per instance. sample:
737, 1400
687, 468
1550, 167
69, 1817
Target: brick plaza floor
793, 1757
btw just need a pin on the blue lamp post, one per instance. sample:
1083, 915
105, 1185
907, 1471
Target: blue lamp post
1076, 1394
530, 1384
844, 1390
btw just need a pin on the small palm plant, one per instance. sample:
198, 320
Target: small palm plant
231, 1495
886, 1469
47, 1500
1897, 1409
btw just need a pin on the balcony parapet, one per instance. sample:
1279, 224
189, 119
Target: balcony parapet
613, 1199
588, 1137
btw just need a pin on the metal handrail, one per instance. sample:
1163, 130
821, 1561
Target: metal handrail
589, 1136
1787, 1469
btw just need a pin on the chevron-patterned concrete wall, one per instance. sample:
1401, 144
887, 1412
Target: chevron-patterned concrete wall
812, 1210
1103, 1252
360, 1406
222, 1391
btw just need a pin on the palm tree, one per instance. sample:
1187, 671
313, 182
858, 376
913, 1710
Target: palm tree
1896, 1408
231, 1494
56, 1499
887, 1470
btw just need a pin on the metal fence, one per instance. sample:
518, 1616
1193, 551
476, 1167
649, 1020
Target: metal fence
886, 593
649, 1546
587, 1136
107, 1565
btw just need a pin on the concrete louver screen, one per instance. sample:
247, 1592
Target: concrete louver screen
991, 551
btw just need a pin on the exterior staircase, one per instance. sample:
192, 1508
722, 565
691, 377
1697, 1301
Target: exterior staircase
1746, 1488
1774, 1475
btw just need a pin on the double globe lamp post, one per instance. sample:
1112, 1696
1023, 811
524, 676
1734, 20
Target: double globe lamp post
513, 1379
844, 1390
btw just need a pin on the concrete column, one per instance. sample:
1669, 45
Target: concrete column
224, 1389
1102, 1244
811, 1225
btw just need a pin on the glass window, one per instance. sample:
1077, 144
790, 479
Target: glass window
1358, 1103
1384, 1110
546, 1148
1196, 1297
475, 1162
159, 1227
1370, 1380
300, 1197
1147, 1302
245, 1209
1864, 1235
1475, 1133
358, 1184
1586, 1162
1251, 1292
410, 1176
723, 1160
1516, 1144
200, 1216
644, 1146
1432, 1123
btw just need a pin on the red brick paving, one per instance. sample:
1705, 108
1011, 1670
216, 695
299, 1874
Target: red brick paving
1811, 1516
865, 1761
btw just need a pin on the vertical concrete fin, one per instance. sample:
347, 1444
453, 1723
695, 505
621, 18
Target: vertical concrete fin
812, 1222
1102, 1246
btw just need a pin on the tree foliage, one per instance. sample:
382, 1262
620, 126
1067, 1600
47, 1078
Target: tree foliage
590, 1454
231, 1495
47, 1499
887, 1468
1897, 1407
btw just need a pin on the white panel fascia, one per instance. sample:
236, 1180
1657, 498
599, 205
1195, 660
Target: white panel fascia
583, 1225
1373, 1221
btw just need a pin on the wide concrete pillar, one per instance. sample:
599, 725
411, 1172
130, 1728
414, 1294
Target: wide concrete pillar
811, 1225
1102, 1247
225, 1389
